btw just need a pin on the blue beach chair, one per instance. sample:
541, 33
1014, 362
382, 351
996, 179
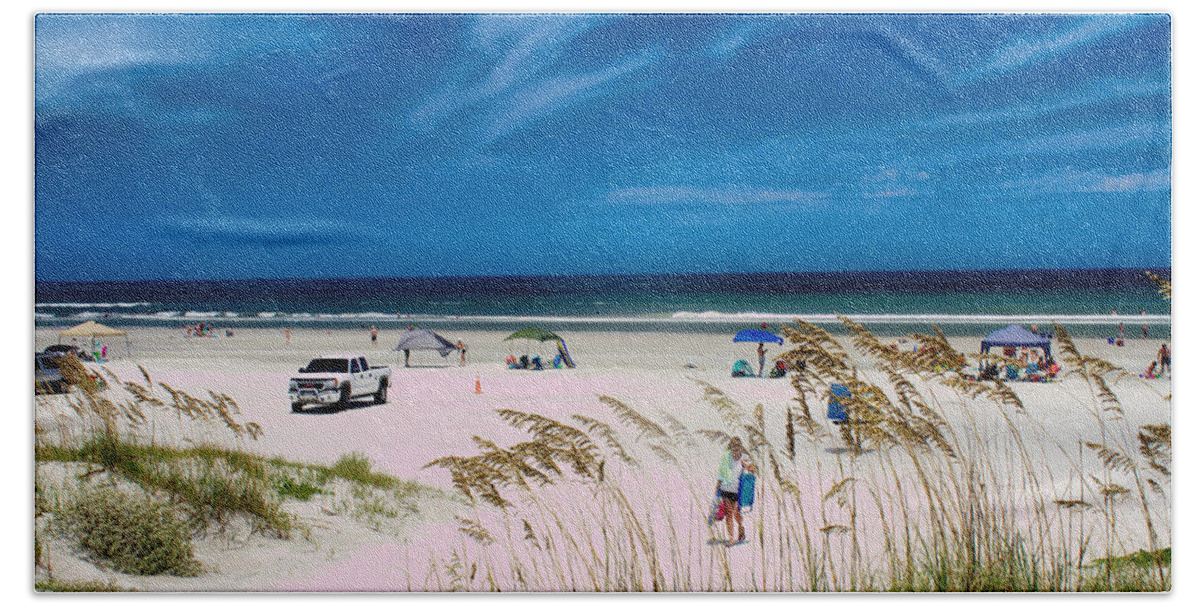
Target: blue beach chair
836, 413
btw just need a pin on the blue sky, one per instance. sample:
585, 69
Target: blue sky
236, 146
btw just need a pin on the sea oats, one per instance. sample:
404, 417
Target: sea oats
626, 414
606, 433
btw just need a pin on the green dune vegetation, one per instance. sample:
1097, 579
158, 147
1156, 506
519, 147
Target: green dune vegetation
105, 481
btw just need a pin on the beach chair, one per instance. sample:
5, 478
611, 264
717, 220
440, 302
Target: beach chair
841, 418
780, 370
1011, 373
836, 413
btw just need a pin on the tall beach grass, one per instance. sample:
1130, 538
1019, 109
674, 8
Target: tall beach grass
940, 483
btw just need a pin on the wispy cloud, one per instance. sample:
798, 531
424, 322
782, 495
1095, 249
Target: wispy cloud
511, 81
1106, 91
509, 53
891, 182
255, 231
731, 195
747, 31
558, 93
1071, 180
1025, 51
915, 55
1104, 138
1115, 137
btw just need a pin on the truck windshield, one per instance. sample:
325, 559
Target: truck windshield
332, 366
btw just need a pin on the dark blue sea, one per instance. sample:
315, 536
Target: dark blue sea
959, 302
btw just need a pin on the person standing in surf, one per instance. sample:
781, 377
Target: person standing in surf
734, 463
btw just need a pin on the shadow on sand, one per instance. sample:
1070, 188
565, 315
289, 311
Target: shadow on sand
337, 408
840, 451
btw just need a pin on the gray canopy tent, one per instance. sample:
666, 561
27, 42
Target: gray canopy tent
1015, 336
424, 339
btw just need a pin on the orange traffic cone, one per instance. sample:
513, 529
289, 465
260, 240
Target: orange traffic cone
478, 386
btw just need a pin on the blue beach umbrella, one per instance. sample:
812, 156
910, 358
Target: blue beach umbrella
757, 335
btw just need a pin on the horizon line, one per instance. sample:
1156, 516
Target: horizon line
1137, 269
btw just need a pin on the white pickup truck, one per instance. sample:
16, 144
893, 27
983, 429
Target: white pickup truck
338, 379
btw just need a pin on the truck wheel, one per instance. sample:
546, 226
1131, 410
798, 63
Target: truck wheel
344, 397
381, 394
296, 407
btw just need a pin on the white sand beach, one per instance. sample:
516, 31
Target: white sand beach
434, 411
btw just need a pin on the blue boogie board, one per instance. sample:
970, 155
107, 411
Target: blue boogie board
746, 492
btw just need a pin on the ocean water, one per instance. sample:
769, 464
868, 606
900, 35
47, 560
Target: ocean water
960, 302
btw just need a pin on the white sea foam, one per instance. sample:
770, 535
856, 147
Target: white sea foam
193, 314
356, 316
680, 317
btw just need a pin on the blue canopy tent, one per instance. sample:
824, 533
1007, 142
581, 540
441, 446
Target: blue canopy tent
757, 335
1015, 336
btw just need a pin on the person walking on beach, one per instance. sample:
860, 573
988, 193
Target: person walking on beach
374, 335
462, 350
287, 335
1145, 326
762, 359
1164, 359
734, 463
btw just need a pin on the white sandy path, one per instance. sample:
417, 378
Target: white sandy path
433, 410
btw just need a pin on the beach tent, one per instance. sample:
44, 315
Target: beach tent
92, 330
1015, 336
541, 335
424, 339
534, 333
757, 335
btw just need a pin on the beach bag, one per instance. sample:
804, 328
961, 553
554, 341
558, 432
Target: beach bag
746, 492
717, 511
